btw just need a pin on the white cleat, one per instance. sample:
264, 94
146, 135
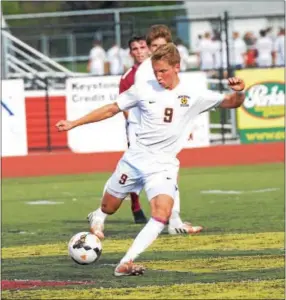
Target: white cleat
129, 269
185, 228
96, 226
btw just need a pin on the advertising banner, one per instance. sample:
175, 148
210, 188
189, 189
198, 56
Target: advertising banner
85, 94
14, 130
261, 117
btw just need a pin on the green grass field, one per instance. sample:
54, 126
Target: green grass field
239, 255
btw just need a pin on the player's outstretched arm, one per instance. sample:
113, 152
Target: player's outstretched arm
235, 99
102, 113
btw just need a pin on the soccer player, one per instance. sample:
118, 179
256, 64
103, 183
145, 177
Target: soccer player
157, 35
167, 105
139, 52
279, 46
265, 49
97, 58
206, 52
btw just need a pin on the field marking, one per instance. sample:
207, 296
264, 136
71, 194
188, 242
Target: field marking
246, 241
43, 202
221, 192
28, 284
254, 289
217, 192
26, 232
218, 264
265, 190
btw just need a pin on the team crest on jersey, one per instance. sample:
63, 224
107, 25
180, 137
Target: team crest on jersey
184, 100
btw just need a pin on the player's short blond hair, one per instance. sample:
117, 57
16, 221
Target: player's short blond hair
158, 31
169, 53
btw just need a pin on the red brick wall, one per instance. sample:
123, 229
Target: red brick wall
36, 113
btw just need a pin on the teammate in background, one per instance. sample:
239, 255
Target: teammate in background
265, 49
220, 56
238, 51
279, 47
115, 58
128, 61
206, 53
158, 35
152, 162
184, 53
97, 58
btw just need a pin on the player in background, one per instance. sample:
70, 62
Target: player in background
115, 57
158, 35
206, 53
279, 47
265, 49
139, 52
97, 59
152, 163
184, 53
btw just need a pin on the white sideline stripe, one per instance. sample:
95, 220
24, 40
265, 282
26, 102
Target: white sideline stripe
239, 192
220, 192
265, 190
43, 202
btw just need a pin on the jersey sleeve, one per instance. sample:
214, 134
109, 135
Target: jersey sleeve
209, 100
128, 99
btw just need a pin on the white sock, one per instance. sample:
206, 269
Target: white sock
175, 219
100, 215
144, 239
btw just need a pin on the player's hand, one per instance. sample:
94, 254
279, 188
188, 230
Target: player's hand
236, 84
64, 125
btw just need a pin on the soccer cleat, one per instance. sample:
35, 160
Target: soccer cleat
129, 269
96, 226
139, 217
185, 228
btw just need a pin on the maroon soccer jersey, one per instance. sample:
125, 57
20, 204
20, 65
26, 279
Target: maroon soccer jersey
127, 80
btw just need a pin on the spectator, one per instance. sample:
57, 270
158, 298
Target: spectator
206, 52
249, 39
198, 42
116, 58
184, 54
97, 58
128, 60
238, 52
279, 48
265, 49
220, 56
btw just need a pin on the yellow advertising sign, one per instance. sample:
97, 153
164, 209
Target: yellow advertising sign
261, 117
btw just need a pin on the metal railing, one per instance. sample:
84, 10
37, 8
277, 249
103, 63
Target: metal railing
23, 60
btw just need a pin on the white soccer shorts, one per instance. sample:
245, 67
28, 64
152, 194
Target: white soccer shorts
139, 169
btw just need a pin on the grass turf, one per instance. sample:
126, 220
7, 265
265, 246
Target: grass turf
241, 248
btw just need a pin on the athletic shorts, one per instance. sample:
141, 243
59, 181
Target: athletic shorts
138, 169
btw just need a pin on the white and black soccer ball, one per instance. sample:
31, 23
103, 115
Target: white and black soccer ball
84, 248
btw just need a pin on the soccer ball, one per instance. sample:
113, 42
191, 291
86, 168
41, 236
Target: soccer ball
84, 248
